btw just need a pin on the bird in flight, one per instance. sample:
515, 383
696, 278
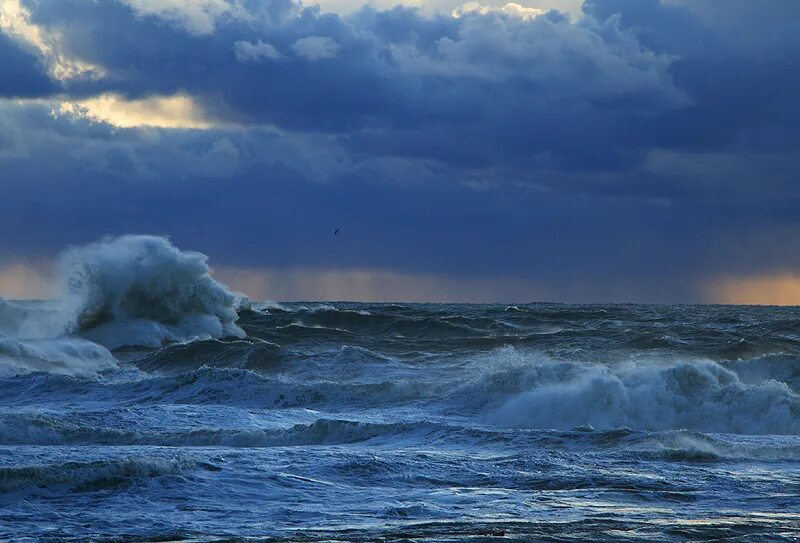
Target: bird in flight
336, 231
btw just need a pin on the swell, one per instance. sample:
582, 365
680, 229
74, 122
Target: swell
507, 388
730, 333
245, 354
94, 475
214, 386
142, 291
667, 446
88, 429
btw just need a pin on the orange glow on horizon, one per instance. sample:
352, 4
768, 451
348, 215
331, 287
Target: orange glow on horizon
22, 280
780, 289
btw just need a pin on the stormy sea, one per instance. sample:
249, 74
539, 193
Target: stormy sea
148, 402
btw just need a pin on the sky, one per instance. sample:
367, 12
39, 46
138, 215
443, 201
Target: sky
552, 150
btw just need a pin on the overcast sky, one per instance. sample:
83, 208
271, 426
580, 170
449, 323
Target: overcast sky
618, 150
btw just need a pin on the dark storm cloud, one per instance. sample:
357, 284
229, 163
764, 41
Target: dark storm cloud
254, 210
271, 215
488, 87
21, 74
655, 143
738, 63
483, 94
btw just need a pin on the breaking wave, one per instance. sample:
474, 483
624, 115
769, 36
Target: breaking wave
142, 290
68, 356
137, 391
696, 395
123, 291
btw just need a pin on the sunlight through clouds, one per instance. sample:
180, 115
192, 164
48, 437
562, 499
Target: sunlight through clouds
570, 7
178, 111
513, 9
455, 133
15, 20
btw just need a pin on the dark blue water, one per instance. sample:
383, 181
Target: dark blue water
155, 412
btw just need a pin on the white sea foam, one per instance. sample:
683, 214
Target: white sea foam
69, 356
143, 290
698, 395
128, 290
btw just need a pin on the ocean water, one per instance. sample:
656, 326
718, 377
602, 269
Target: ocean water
148, 403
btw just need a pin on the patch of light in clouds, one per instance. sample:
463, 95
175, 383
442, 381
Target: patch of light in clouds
15, 20
571, 7
178, 111
512, 9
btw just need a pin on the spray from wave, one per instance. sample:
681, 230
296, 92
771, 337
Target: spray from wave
699, 395
142, 290
122, 291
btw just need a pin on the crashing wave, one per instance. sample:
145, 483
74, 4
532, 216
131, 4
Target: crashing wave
696, 395
123, 291
68, 356
142, 290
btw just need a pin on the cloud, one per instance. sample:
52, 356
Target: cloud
443, 7
315, 48
512, 8
475, 93
556, 52
176, 111
750, 27
255, 52
15, 23
22, 74
633, 152
12, 141
197, 17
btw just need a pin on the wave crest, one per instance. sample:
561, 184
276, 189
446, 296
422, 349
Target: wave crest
143, 290
94, 475
123, 291
696, 395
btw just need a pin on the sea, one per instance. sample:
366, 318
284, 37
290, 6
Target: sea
148, 402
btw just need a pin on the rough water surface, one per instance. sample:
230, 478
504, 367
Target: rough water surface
150, 403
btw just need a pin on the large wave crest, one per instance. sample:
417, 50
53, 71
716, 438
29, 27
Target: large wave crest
699, 395
143, 290
121, 291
